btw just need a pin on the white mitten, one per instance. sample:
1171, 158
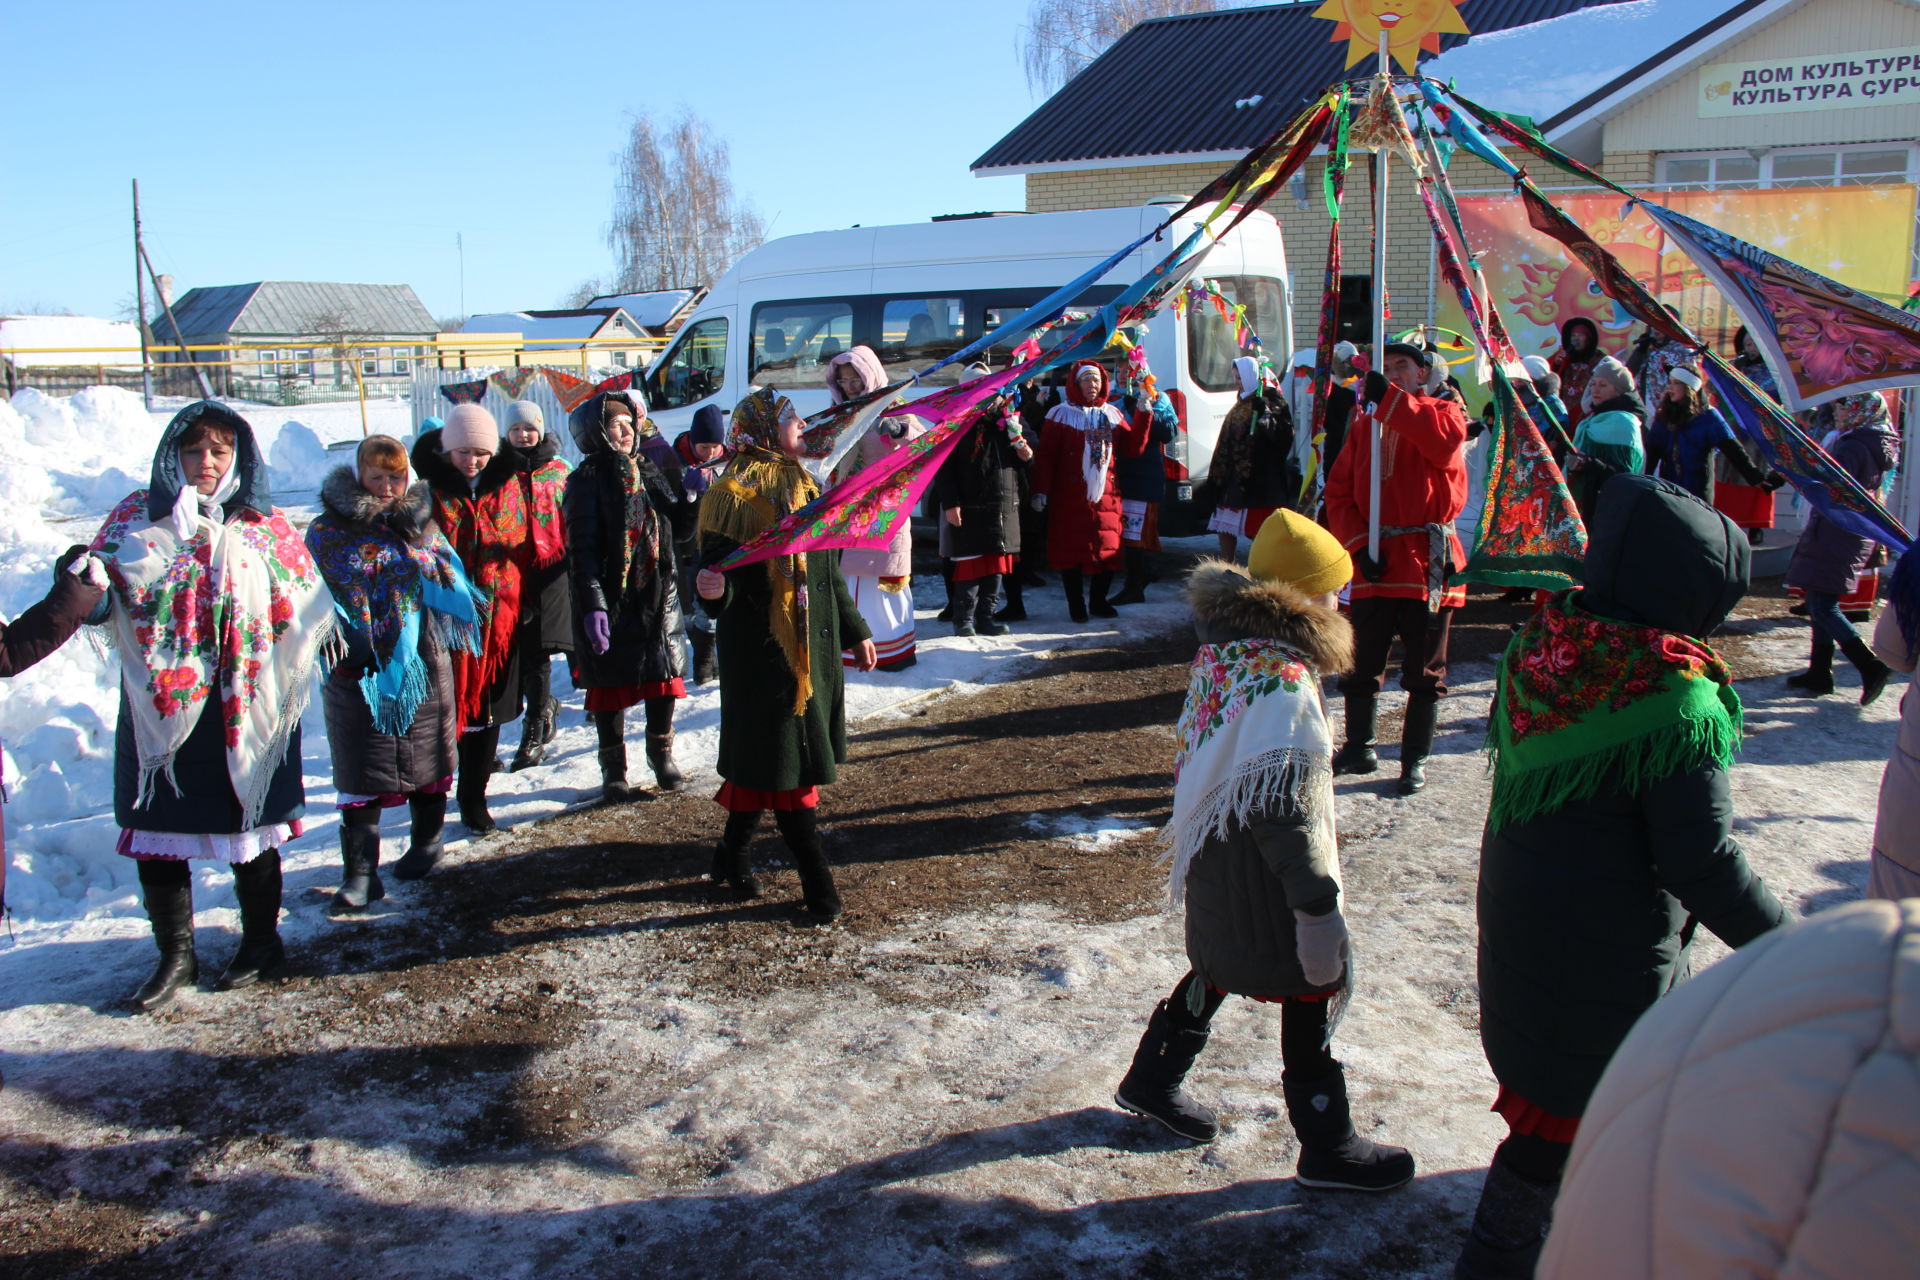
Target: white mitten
1321, 944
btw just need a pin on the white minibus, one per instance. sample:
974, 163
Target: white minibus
918, 292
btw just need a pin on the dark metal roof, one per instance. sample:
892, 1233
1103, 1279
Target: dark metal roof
1168, 87
282, 308
1686, 44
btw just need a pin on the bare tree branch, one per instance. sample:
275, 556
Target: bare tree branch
1063, 36
676, 219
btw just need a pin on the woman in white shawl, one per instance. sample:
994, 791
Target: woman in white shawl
881, 581
218, 616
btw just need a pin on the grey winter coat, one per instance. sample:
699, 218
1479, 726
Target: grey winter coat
365, 761
1243, 889
1829, 558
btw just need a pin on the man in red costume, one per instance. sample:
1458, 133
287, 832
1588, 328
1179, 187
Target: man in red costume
1404, 594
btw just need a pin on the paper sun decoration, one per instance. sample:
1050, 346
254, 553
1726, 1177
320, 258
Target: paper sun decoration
1411, 25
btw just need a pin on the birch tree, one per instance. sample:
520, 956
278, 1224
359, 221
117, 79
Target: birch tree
1062, 36
676, 219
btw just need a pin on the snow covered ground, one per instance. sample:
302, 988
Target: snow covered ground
936, 1105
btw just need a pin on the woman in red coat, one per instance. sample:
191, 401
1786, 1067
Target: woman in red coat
1073, 483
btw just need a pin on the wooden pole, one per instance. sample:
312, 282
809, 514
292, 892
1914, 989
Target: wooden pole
140, 304
1379, 309
180, 340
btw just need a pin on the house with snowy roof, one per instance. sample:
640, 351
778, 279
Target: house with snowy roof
64, 353
572, 336
658, 312
273, 332
1681, 94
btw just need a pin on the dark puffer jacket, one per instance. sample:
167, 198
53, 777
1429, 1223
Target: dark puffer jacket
365, 761
1587, 912
1827, 557
982, 478
200, 799
644, 617
1243, 889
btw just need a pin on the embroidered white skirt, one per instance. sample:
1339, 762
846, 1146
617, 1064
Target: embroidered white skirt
888, 614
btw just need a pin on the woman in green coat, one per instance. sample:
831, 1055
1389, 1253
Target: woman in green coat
781, 625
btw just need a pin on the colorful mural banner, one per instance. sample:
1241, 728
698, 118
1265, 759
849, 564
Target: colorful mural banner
1857, 234
464, 392
1822, 339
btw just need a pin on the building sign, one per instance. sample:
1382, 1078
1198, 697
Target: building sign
1822, 82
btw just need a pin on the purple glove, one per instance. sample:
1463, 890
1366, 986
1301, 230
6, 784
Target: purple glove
599, 635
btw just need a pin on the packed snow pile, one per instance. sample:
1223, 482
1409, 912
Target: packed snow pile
298, 458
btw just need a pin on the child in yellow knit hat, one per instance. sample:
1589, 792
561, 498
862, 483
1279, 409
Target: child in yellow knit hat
1253, 850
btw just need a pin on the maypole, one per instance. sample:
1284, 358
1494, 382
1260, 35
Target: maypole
1390, 36
1383, 83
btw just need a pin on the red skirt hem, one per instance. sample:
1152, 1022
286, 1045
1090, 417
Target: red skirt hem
620, 697
735, 799
1531, 1121
974, 568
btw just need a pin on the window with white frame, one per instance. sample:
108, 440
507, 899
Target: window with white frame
1858, 164
305, 356
401, 362
369, 361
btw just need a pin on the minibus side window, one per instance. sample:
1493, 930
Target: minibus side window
1211, 346
793, 339
916, 332
696, 369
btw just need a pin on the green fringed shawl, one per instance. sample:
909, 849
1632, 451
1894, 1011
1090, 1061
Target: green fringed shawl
1582, 703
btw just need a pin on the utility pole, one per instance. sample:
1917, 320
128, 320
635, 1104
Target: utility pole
140, 304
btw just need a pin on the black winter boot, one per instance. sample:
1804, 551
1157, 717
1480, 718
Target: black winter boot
983, 620
360, 861
666, 774
612, 728
1416, 743
1509, 1224
166, 885
1016, 610
1331, 1153
425, 843
731, 866
964, 602
1151, 1087
1357, 756
1076, 603
257, 885
801, 831
1097, 603
476, 766
1817, 680
706, 662
1874, 673
1135, 590
536, 730
952, 612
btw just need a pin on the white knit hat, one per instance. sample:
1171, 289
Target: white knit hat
1536, 367
1686, 377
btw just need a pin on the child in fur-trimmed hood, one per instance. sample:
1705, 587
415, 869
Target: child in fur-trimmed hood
1253, 848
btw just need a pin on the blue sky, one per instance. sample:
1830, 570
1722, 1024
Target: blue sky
352, 141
